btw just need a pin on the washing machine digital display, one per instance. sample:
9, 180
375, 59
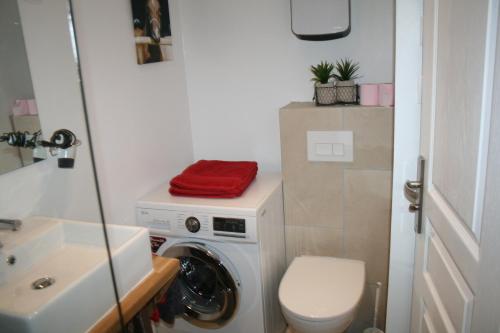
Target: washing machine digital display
227, 224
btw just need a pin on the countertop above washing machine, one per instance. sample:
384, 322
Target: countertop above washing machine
248, 204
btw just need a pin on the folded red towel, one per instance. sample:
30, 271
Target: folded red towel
214, 179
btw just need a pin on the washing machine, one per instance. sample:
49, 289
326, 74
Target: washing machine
232, 255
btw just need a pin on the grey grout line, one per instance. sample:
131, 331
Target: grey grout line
343, 212
343, 191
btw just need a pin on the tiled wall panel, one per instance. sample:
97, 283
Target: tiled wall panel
340, 209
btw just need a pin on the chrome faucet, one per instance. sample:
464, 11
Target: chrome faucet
9, 224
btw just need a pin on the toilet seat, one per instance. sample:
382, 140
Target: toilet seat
322, 288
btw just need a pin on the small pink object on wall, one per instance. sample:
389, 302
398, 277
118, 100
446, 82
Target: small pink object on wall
24, 107
386, 94
368, 94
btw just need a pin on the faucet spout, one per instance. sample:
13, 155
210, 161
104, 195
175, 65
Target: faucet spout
10, 224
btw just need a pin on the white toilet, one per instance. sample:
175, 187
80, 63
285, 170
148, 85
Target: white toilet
321, 294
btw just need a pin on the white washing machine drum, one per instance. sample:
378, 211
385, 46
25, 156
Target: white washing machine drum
208, 290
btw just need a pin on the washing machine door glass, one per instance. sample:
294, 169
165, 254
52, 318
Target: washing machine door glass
209, 291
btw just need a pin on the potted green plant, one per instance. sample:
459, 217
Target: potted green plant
324, 89
346, 73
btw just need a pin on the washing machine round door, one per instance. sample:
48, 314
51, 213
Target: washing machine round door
207, 287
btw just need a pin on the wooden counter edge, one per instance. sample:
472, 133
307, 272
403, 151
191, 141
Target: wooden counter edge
163, 274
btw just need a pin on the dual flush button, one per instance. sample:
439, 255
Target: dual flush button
330, 146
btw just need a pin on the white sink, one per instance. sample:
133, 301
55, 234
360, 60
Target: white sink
74, 255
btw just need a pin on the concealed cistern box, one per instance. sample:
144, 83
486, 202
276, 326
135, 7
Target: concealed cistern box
320, 19
330, 146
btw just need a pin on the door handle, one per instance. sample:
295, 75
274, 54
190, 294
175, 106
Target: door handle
412, 190
414, 193
413, 184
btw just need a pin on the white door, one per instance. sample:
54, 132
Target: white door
458, 43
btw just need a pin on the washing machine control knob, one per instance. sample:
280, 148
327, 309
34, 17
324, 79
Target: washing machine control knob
192, 224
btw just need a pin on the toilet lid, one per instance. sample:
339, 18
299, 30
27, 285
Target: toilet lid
319, 288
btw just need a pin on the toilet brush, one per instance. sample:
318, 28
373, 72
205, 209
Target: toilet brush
374, 329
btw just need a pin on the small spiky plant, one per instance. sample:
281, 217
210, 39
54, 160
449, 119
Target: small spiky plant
322, 72
346, 70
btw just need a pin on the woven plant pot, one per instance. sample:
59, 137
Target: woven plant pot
325, 94
346, 92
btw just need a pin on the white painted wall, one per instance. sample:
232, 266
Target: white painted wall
43, 188
243, 64
139, 113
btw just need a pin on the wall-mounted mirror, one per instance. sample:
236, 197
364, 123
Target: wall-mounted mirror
55, 273
18, 108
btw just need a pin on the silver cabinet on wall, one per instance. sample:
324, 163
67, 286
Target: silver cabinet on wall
319, 20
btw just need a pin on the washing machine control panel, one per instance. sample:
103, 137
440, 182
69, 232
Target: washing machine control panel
197, 224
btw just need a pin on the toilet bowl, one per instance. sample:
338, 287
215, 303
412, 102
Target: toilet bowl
321, 294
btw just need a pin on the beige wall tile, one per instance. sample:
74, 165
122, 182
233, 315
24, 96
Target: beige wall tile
373, 136
313, 191
317, 241
367, 227
364, 317
372, 128
340, 209
314, 195
294, 124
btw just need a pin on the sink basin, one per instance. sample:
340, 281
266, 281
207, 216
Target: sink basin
73, 255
